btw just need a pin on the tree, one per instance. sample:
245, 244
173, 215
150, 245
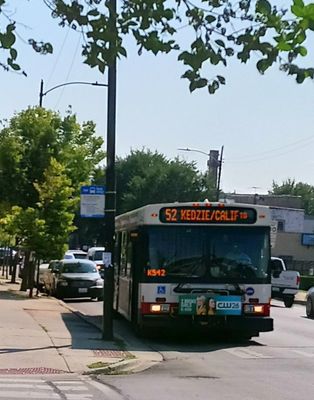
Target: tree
144, 177
43, 230
56, 207
305, 191
29, 142
220, 30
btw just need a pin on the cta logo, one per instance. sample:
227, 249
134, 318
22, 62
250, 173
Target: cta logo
249, 291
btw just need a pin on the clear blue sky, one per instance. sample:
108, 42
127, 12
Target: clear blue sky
265, 123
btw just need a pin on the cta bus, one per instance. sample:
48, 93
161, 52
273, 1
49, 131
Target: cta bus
195, 264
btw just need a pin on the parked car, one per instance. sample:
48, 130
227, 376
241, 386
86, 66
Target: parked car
5, 254
285, 283
73, 279
75, 254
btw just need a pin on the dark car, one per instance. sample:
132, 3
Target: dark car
73, 279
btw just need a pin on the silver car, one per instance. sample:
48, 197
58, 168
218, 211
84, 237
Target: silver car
74, 279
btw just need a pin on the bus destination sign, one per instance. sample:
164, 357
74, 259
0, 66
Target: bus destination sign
207, 215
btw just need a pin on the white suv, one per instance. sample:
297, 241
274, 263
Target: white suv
96, 254
75, 254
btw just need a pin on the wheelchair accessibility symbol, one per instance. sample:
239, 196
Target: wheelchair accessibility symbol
161, 289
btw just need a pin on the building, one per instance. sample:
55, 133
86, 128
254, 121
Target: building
295, 231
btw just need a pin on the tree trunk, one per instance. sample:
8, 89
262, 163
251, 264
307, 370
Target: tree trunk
24, 285
14, 267
31, 276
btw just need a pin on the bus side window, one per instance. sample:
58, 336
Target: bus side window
123, 254
129, 256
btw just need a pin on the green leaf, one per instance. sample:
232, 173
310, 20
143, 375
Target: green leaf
302, 51
13, 54
13, 65
7, 40
220, 43
221, 79
263, 7
122, 51
262, 65
210, 19
211, 89
284, 46
198, 84
300, 77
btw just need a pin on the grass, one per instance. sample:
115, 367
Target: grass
98, 364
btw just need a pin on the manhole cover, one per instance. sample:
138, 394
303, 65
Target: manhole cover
111, 353
31, 371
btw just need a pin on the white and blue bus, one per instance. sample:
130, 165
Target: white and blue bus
202, 264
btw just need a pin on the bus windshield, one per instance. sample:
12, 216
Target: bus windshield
205, 254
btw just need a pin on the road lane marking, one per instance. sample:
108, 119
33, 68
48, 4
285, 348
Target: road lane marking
35, 395
303, 353
246, 353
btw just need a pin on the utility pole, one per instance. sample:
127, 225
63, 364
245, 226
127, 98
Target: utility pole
110, 203
219, 173
214, 165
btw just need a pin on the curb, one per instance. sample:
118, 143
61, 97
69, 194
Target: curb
122, 367
301, 302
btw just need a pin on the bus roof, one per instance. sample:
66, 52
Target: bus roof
196, 213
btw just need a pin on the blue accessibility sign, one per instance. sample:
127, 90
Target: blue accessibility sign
161, 289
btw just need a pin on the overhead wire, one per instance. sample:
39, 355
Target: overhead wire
272, 153
69, 71
58, 56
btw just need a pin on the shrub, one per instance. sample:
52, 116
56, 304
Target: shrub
306, 282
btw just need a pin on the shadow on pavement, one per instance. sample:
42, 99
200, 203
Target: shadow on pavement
161, 340
12, 295
19, 350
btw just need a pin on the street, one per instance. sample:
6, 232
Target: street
60, 387
276, 365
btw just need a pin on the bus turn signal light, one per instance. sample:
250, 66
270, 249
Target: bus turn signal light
257, 309
159, 308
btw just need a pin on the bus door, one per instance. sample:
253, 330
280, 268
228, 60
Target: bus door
127, 284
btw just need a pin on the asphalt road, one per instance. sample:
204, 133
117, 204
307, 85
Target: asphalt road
277, 365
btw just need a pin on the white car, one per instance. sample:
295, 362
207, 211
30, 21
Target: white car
75, 254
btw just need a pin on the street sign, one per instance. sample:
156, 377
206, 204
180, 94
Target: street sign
92, 201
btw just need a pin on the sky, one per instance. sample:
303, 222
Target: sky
265, 123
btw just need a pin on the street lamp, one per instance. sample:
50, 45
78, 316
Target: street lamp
42, 93
214, 165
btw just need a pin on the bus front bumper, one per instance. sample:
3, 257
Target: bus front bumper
229, 323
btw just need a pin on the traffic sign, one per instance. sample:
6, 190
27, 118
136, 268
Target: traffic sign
93, 201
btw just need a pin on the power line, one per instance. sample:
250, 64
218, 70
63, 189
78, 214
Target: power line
69, 71
306, 141
252, 159
58, 56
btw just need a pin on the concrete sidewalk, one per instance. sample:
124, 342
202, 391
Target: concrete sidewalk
42, 335
300, 297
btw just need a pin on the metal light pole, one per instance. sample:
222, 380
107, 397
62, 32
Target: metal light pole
212, 163
42, 93
110, 204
